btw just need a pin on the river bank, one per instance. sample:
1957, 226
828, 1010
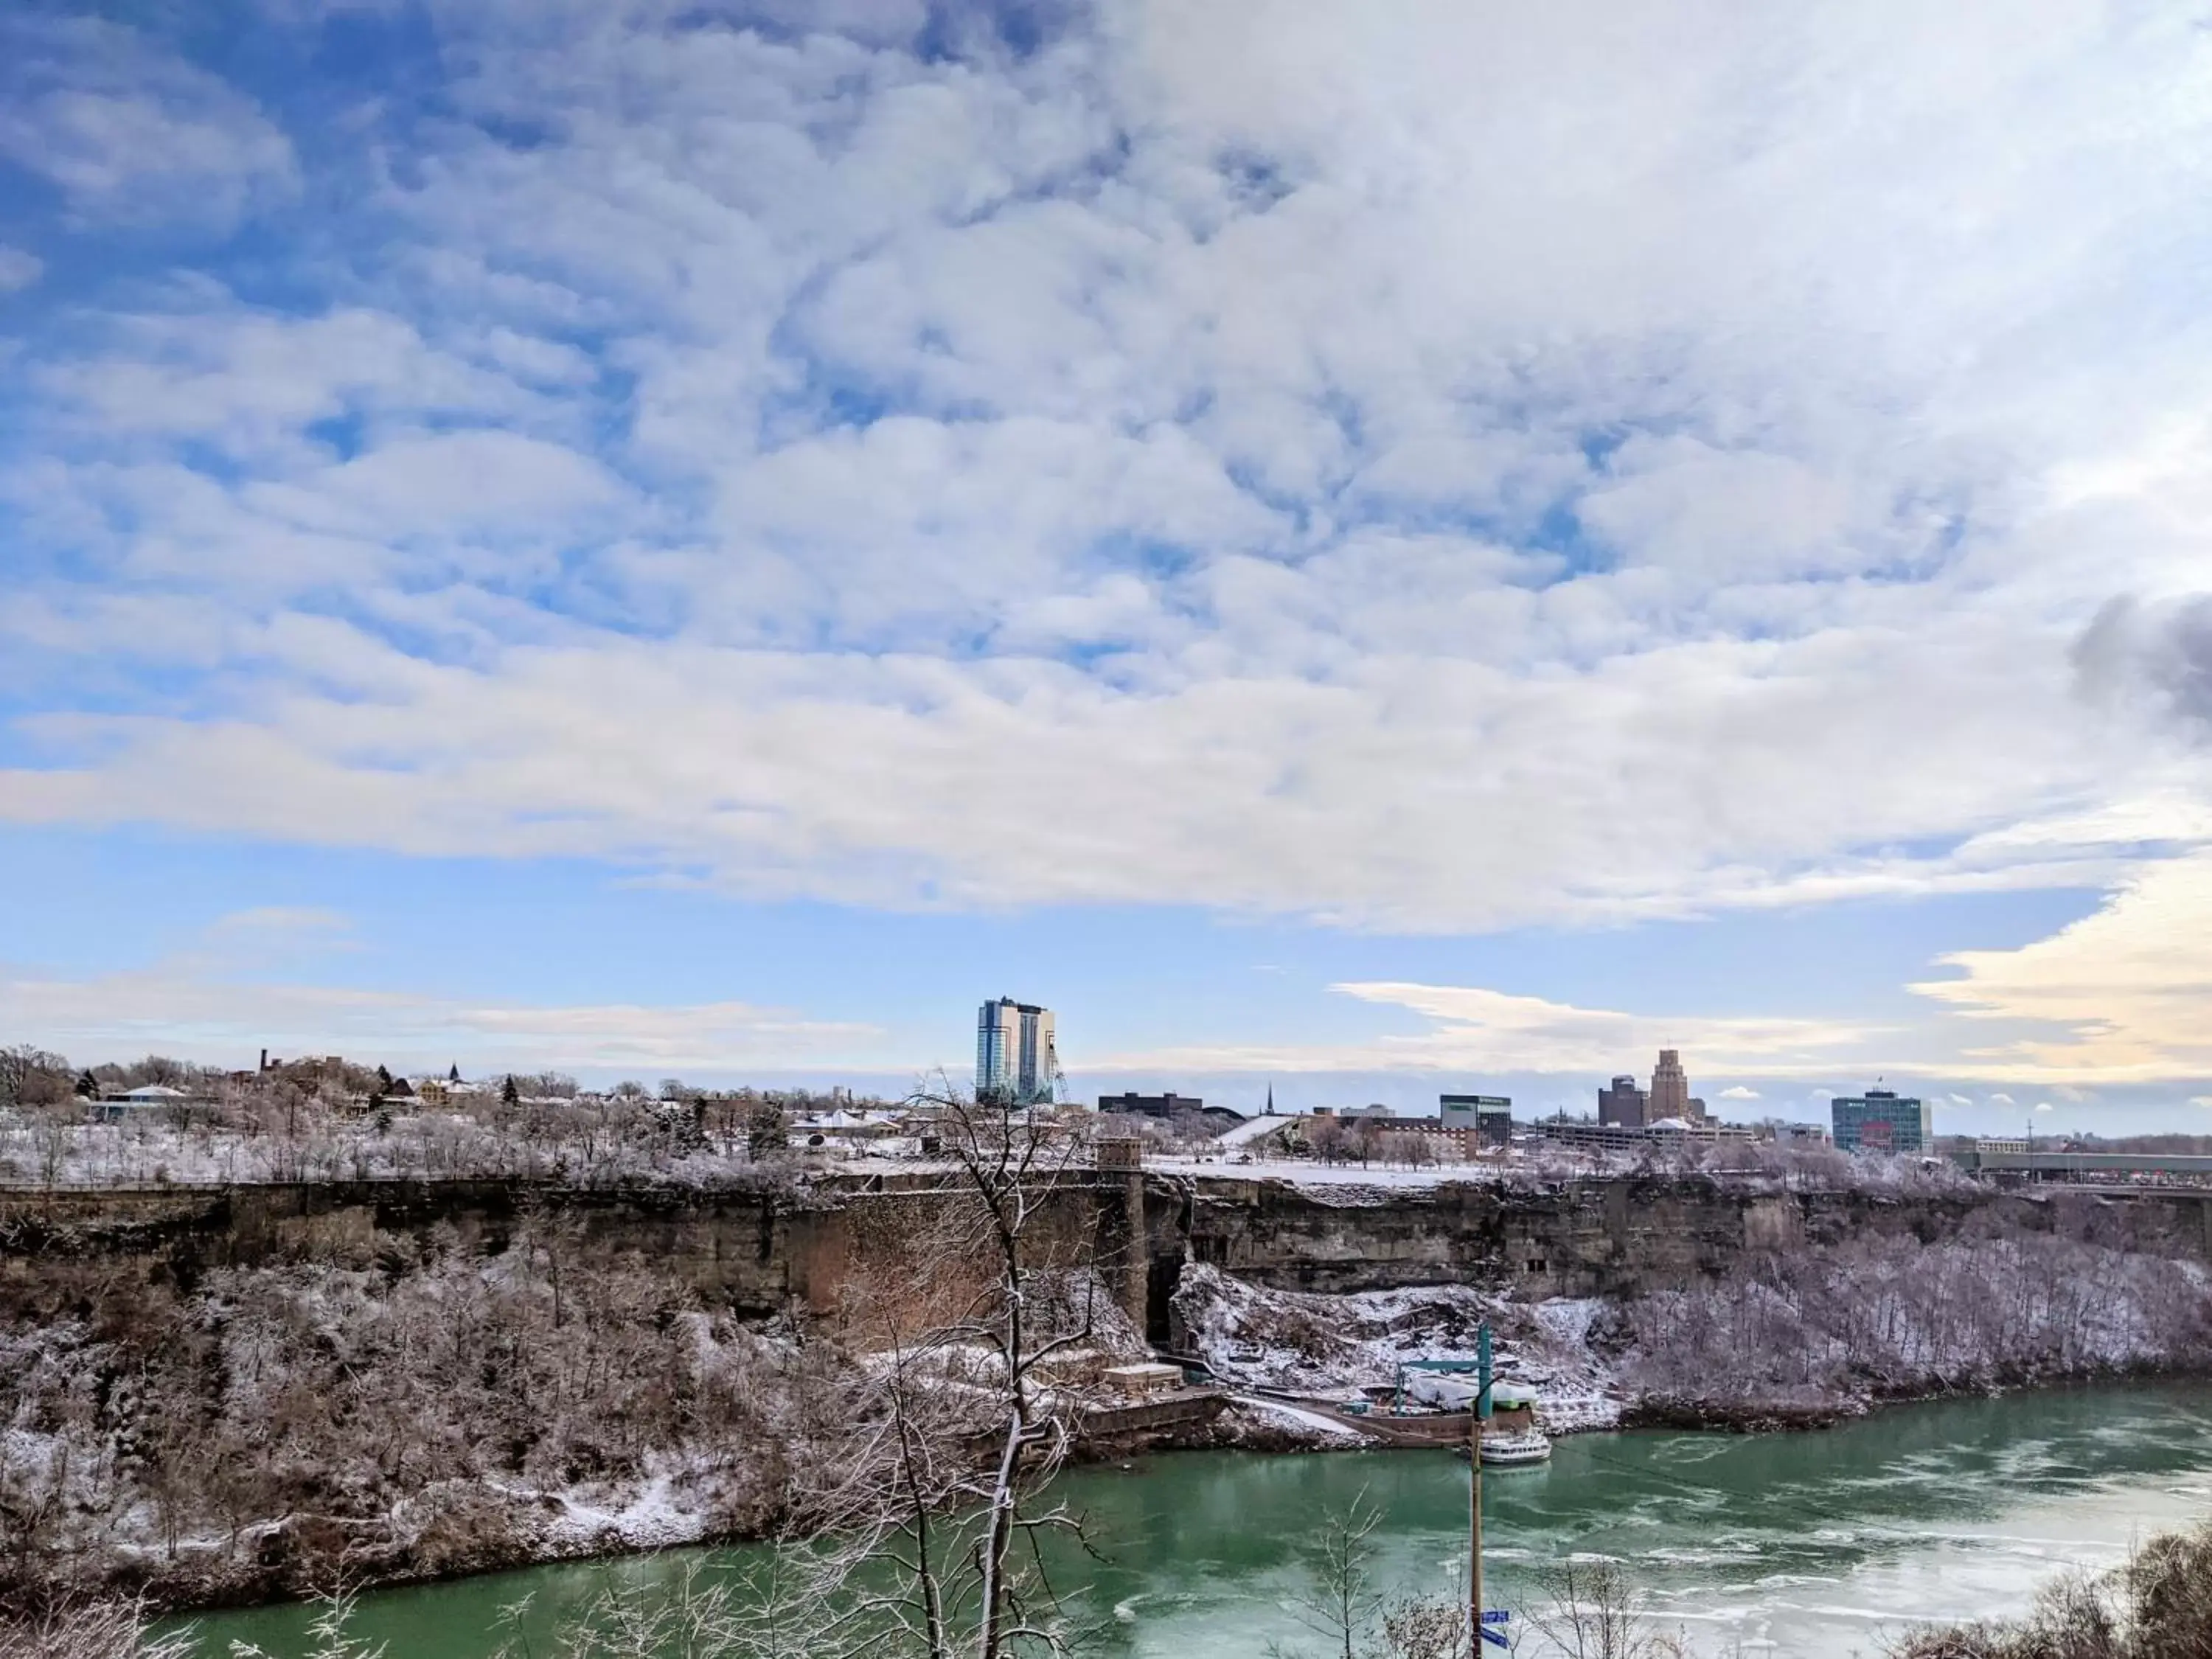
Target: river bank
1821, 1545
1786, 1342
1247, 1427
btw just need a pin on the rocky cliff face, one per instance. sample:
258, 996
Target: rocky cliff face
759, 1252
738, 1247
1608, 1237
219, 1392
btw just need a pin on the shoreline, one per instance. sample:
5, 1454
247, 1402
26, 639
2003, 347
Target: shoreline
1229, 1432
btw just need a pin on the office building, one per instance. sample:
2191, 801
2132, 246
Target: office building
1670, 1091
1015, 1058
1882, 1120
1623, 1105
1491, 1116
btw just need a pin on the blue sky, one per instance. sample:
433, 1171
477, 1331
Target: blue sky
1379, 550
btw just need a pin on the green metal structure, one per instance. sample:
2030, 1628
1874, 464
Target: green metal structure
1479, 1365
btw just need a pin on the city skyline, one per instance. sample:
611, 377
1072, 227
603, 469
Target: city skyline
1324, 545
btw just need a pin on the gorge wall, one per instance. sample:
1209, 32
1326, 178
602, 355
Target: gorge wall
228, 1393
758, 1252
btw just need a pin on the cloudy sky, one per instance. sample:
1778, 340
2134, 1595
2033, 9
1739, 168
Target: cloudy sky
1381, 547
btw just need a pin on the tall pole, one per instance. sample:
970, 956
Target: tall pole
1474, 1493
1474, 1538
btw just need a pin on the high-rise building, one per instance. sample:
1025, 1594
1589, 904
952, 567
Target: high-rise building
1882, 1120
1622, 1106
1015, 1058
1670, 1091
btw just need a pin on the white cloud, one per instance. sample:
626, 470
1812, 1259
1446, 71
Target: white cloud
218, 1002
2117, 997
129, 132
870, 780
441, 484
255, 384
1737, 1091
1486, 1031
2002, 1100
1421, 467
2044, 1106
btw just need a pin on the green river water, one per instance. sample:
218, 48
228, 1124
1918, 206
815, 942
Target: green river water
1800, 1544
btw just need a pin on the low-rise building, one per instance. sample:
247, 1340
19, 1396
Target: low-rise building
1145, 1382
1220, 1119
1600, 1137
1167, 1105
126, 1103
1463, 1142
1490, 1116
1118, 1153
839, 1128
1700, 1128
1626, 1138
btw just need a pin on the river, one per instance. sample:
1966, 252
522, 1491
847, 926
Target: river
1816, 1544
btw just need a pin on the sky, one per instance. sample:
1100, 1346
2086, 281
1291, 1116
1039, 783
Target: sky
1363, 551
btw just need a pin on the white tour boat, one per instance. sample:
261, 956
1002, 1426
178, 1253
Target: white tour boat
1511, 1436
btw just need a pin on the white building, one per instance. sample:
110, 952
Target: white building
147, 1097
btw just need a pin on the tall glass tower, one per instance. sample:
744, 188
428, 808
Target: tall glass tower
1015, 1058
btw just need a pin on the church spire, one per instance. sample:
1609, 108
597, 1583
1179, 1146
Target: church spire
1271, 1097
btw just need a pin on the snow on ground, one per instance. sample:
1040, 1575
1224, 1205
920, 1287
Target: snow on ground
1334, 1347
1277, 1414
1252, 1129
634, 1147
1345, 1183
1757, 1166
653, 1515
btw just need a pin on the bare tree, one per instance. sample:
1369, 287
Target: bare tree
956, 1418
1345, 1602
1593, 1611
332, 1632
34, 1494
1341, 1602
102, 1630
33, 1077
688, 1618
1426, 1627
